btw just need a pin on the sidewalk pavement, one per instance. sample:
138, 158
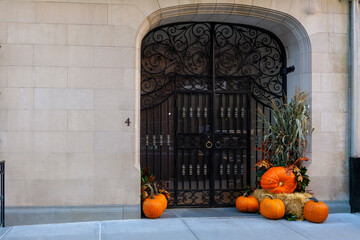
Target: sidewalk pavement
244, 226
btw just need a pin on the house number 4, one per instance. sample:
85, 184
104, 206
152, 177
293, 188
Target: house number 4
128, 121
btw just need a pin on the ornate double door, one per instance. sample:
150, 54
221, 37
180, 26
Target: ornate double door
211, 146
201, 85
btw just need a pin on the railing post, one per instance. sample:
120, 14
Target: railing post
2, 197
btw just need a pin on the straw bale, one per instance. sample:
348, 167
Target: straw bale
294, 202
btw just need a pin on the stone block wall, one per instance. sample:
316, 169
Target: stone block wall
69, 79
67, 88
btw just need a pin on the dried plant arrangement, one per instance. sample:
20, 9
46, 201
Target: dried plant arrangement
286, 140
148, 179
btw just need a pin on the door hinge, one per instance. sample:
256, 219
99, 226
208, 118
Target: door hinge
289, 70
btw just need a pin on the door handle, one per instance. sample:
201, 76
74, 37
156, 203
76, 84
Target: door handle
208, 144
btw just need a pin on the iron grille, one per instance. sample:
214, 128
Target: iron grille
201, 86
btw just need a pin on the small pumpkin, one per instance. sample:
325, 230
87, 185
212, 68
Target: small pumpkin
161, 197
152, 208
246, 203
272, 208
315, 211
278, 180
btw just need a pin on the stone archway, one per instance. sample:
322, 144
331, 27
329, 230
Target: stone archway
292, 34
289, 30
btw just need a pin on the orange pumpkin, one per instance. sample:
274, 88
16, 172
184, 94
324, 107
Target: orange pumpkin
315, 211
247, 203
278, 180
152, 208
161, 197
272, 208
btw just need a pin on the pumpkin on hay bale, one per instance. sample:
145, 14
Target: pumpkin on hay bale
294, 202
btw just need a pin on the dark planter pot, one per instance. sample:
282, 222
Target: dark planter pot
355, 184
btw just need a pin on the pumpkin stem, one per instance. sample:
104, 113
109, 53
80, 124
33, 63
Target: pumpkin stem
156, 190
246, 194
314, 199
268, 195
280, 184
151, 191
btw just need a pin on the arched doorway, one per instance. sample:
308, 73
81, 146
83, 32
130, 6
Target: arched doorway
201, 87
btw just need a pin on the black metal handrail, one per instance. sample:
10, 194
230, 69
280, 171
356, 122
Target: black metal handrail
2, 191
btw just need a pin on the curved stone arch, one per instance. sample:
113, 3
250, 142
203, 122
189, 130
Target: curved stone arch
288, 29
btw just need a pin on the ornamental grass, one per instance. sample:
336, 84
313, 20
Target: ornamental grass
286, 140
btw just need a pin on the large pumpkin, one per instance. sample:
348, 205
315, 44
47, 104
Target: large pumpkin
278, 180
152, 208
272, 208
161, 197
247, 203
315, 211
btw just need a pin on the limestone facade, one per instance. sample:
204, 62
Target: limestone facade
69, 79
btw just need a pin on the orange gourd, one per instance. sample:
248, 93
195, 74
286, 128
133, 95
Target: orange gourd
247, 203
278, 180
152, 208
161, 197
315, 211
272, 208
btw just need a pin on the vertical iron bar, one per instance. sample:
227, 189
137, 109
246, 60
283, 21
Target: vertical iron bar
189, 116
175, 141
237, 135
227, 150
160, 139
152, 140
198, 133
220, 163
220, 117
248, 138
189, 167
204, 159
183, 105
183, 164
190, 150
168, 145
146, 135
257, 138
212, 116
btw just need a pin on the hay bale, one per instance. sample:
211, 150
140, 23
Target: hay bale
294, 202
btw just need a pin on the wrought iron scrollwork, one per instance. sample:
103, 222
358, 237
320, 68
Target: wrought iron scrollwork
226, 197
247, 52
193, 197
178, 56
174, 56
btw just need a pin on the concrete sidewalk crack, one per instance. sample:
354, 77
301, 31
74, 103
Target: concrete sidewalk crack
189, 228
100, 230
5, 233
295, 231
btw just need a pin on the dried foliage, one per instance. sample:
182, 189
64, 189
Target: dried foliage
147, 178
286, 141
